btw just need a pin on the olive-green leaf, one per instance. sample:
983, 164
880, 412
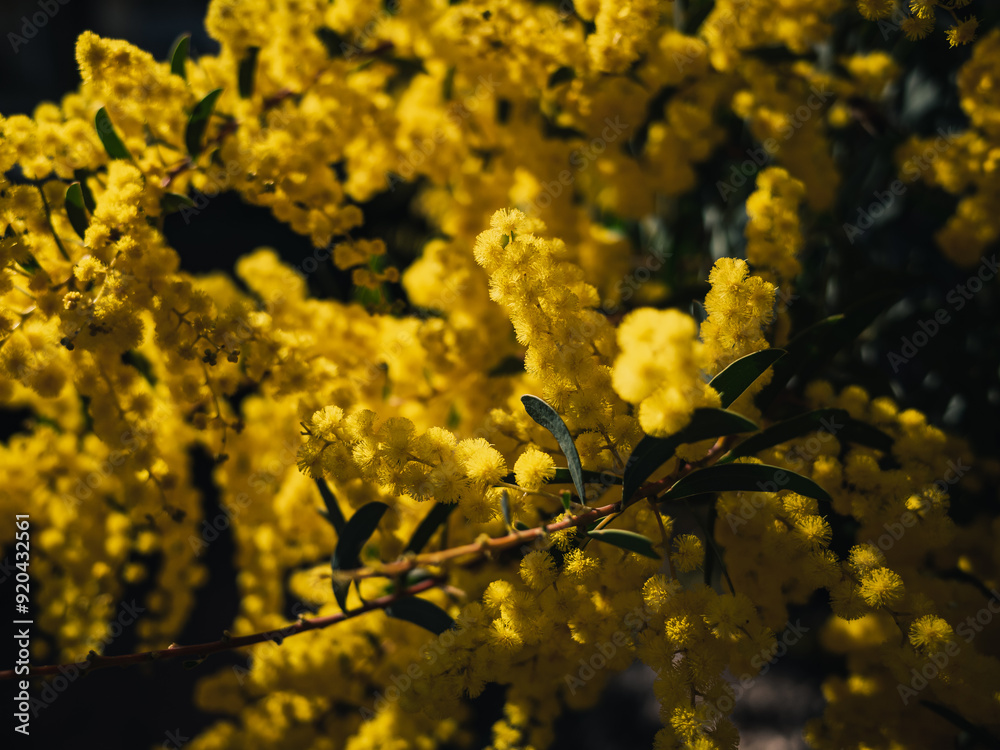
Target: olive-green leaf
432, 522
248, 72
113, 144
746, 478
173, 202
741, 374
652, 452
629, 540
356, 533
179, 55
421, 612
198, 122
75, 209
549, 418
333, 512
505, 507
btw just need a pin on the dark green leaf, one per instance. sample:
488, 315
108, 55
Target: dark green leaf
333, 513
81, 175
505, 507
106, 132
432, 521
565, 497
179, 55
356, 533
173, 202
549, 418
830, 421
629, 540
811, 349
741, 374
421, 612
561, 75
835, 422
247, 72
198, 122
746, 478
336, 45
652, 452
589, 477
75, 209
510, 365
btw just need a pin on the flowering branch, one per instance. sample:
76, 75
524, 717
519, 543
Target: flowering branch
227, 643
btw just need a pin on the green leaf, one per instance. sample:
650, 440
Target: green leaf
589, 477
509, 365
248, 72
356, 533
333, 513
746, 478
75, 209
549, 418
179, 55
505, 508
811, 349
432, 521
81, 175
835, 422
198, 122
106, 132
561, 75
565, 498
741, 374
173, 202
652, 452
421, 612
629, 540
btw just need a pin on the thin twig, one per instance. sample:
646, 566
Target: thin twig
201, 650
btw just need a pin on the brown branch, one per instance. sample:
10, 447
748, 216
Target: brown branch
484, 546
201, 650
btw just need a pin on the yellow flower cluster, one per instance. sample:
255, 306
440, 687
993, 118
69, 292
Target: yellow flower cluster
739, 307
918, 20
659, 369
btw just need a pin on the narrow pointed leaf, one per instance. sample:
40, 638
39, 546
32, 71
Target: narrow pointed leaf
629, 540
81, 175
651, 452
173, 202
333, 513
113, 144
549, 418
179, 56
248, 72
816, 345
75, 209
198, 122
505, 508
741, 374
421, 612
746, 478
436, 518
835, 422
589, 477
347, 555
